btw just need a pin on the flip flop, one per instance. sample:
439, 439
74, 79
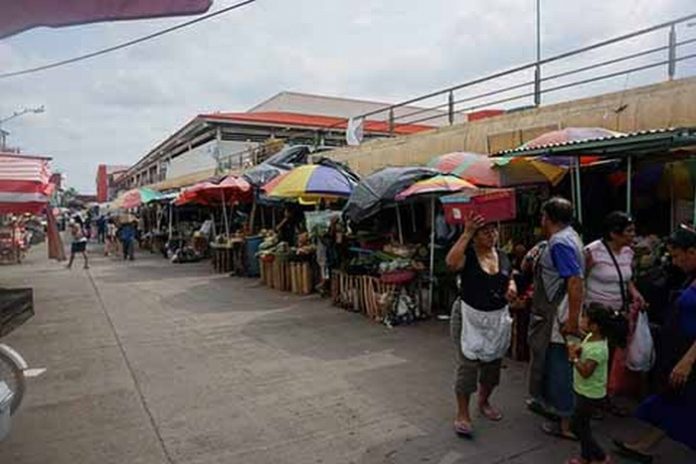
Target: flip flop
635, 455
537, 408
555, 431
490, 413
463, 430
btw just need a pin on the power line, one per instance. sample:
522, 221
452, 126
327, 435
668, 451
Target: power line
125, 44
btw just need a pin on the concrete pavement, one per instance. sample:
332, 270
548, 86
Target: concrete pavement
153, 362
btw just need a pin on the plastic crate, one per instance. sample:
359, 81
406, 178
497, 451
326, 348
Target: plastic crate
494, 205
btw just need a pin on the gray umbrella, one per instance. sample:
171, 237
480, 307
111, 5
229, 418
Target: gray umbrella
379, 189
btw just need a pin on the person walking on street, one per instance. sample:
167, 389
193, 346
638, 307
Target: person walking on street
127, 237
556, 306
111, 244
481, 326
78, 244
101, 229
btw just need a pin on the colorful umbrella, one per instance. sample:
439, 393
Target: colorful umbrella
136, 197
311, 183
206, 193
434, 186
441, 184
485, 171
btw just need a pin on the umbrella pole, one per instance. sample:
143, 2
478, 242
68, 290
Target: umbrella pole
171, 218
413, 218
671, 202
629, 184
398, 225
224, 214
432, 255
253, 214
694, 218
572, 191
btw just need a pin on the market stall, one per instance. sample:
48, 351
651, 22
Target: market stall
387, 266
227, 248
294, 256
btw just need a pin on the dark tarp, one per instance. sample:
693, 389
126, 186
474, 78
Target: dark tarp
261, 174
379, 189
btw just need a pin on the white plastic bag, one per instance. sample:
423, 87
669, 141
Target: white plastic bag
640, 355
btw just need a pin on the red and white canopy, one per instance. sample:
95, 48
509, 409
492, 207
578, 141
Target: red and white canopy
24, 183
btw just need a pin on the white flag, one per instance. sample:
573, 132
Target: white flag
354, 131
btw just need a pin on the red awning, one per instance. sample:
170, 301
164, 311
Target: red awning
24, 184
18, 16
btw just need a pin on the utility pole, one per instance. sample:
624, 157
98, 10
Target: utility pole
537, 69
16, 114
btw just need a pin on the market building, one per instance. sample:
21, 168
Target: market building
235, 140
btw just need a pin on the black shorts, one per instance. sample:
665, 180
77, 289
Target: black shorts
78, 247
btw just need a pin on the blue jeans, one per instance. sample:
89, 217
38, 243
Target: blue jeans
559, 397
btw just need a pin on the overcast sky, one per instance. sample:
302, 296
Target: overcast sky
114, 108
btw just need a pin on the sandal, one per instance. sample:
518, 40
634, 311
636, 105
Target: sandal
537, 408
630, 453
555, 431
463, 430
490, 413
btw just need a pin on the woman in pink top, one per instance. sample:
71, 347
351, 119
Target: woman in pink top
603, 281
609, 274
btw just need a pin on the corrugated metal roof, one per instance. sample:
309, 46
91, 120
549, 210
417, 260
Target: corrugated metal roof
669, 137
314, 121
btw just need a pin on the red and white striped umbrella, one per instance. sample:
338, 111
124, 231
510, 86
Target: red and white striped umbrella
24, 183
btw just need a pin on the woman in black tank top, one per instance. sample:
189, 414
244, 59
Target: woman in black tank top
486, 286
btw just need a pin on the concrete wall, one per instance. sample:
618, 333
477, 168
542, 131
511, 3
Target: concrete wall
669, 104
203, 157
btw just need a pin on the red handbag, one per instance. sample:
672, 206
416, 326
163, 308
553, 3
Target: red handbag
622, 381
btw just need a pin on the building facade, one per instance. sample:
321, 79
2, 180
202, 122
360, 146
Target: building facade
107, 181
218, 142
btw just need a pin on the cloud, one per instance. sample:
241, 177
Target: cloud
114, 108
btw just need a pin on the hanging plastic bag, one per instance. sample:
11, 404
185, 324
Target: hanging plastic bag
640, 355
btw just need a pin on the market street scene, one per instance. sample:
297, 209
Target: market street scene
373, 232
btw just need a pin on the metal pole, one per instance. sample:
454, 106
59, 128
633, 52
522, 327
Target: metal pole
171, 219
413, 218
578, 186
629, 185
450, 108
537, 68
398, 225
668, 168
391, 121
694, 218
432, 254
224, 214
672, 53
573, 191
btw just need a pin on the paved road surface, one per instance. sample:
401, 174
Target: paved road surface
156, 363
